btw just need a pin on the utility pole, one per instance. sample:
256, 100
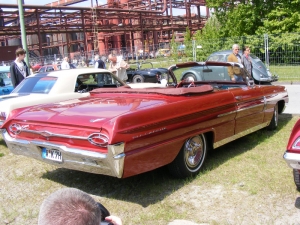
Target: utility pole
23, 31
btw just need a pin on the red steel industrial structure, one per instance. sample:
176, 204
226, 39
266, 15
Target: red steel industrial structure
120, 24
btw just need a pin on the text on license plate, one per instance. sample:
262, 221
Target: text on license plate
52, 154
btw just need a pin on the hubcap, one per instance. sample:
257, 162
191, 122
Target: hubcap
194, 152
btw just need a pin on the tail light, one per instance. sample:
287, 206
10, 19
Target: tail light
98, 139
296, 144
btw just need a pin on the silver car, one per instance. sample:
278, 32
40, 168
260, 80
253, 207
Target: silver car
259, 72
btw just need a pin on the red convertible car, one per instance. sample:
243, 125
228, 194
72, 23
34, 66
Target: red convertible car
292, 154
126, 129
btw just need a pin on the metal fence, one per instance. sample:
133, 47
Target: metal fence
280, 53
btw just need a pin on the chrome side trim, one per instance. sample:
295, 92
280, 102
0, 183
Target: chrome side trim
292, 159
239, 110
46, 133
250, 107
111, 164
228, 113
241, 134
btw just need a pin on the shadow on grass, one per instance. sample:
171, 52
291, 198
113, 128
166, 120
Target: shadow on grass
144, 189
151, 187
222, 154
2, 142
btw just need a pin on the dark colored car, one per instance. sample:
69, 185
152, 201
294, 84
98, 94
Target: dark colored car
5, 81
259, 72
152, 75
292, 154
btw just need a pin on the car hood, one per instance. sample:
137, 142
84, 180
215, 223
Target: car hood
259, 65
86, 112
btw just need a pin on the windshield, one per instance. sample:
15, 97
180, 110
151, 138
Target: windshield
41, 85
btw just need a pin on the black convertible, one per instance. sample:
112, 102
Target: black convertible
152, 75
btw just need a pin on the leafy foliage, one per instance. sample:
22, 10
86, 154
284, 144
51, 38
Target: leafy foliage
256, 17
254, 23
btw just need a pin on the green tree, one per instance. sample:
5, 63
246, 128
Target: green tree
188, 43
284, 18
256, 17
208, 38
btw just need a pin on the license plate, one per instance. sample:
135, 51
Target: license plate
51, 154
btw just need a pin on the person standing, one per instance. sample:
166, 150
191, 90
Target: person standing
118, 67
99, 63
234, 72
246, 60
65, 64
19, 69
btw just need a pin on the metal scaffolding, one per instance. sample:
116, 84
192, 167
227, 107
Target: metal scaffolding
119, 21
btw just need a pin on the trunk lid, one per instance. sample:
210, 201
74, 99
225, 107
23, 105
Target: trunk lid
87, 112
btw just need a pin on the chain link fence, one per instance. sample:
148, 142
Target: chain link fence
280, 52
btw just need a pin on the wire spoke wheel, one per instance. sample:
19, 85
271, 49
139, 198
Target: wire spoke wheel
191, 157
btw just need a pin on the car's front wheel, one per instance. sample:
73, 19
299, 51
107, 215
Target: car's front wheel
297, 178
190, 158
189, 77
137, 79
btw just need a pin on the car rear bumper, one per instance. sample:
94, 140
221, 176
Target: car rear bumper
292, 159
269, 79
111, 164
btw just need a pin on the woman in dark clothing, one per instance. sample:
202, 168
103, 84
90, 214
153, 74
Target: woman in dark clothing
246, 60
19, 69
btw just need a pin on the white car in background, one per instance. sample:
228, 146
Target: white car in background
55, 86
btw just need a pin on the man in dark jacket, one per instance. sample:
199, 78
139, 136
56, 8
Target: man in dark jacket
19, 69
99, 63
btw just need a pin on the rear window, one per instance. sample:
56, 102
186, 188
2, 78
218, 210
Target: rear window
218, 58
41, 85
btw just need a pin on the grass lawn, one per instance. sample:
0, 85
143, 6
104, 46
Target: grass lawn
244, 182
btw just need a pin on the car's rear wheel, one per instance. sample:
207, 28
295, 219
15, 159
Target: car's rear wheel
274, 122
297, 178
189, 77
137, 79
190, 158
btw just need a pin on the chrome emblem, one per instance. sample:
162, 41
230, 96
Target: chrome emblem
96, 120
46, 134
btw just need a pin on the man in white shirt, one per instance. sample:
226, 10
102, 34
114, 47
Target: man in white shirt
19, 69
65, 64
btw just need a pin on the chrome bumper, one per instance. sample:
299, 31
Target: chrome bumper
269, 79
292, 159
111, 164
